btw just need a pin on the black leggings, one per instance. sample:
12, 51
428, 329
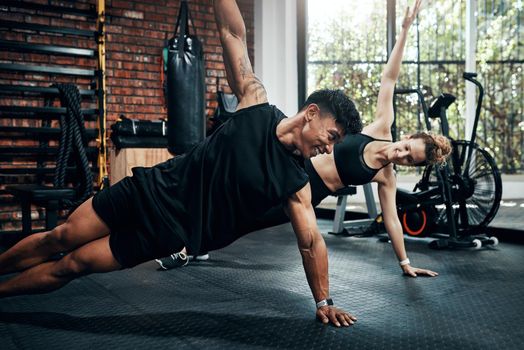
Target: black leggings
319, 190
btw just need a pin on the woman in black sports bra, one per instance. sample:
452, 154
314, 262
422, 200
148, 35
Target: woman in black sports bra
370, 155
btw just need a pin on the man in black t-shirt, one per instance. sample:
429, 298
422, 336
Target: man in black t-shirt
153, 212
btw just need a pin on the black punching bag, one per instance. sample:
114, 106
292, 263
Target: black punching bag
185, 87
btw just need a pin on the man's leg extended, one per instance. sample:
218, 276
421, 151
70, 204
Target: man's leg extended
95, 256
82, 226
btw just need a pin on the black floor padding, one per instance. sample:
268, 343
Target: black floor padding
254, 295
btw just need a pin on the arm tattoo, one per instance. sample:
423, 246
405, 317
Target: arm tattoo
253, 85
259, 90
245, 67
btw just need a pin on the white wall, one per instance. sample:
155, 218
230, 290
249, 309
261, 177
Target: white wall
276, 52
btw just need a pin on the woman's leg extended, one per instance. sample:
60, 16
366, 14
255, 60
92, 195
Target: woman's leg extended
95, 256
82, 226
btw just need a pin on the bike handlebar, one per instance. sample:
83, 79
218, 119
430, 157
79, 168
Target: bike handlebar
471, 78
469, 75
420, 100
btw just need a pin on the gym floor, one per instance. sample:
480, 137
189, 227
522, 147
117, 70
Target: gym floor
253, 295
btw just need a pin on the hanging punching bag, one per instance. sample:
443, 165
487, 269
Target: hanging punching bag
185, 87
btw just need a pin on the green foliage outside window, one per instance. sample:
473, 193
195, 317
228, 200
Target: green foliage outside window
348, 50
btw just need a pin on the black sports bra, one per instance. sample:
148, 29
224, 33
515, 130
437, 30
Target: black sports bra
349, 160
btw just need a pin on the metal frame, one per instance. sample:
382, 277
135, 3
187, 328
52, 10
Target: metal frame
54, 111
15, 67
40, 90
391, 25
49, 8
35, 171
352, 62
46, 29
46, 49
340, 226
103, 174
302, 55
41, 132
8, 151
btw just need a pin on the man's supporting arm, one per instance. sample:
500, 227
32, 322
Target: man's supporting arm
314, 255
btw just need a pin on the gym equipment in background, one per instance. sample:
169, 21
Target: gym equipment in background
134, 133
455, 201
355, 227
227, 106
28, 113
71, 153
185, 87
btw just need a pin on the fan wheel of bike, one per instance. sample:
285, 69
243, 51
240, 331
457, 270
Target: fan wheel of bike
476, 195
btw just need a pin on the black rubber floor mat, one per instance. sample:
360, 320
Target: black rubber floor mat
254, 295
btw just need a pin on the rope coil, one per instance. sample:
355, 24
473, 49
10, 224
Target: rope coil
73, 140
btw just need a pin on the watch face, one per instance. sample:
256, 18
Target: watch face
329, 301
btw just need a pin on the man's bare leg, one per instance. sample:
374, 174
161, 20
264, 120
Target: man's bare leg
82, 226
94, 256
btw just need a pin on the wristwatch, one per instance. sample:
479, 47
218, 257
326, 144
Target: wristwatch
404, 262
325, 302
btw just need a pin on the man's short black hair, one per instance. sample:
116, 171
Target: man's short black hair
340, 106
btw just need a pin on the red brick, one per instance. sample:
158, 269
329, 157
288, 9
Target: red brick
118, 56
133, 14
152, 67
114, 29
157, 17
155, 34
122, 91
74, 17
147, 8
37, 20
122, 4
133, 66
123, 74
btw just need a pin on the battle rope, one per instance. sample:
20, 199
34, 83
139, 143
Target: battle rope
73, 139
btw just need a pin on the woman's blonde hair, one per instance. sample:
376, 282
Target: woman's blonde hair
438, 147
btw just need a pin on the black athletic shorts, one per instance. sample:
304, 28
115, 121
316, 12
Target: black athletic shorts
130, 241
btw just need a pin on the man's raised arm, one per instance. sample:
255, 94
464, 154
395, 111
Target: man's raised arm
240, 77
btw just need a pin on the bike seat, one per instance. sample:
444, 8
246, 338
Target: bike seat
468, 75
443, 101
346, 191
405, 196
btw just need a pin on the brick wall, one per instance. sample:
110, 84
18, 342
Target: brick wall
136, 33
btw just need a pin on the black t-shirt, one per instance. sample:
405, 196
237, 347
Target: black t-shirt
221, 189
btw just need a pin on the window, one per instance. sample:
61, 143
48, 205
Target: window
347, 50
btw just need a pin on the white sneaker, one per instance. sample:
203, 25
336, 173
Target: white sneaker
173, 261
202, 257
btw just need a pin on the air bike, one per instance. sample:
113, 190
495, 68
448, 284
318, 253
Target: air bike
455, 201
